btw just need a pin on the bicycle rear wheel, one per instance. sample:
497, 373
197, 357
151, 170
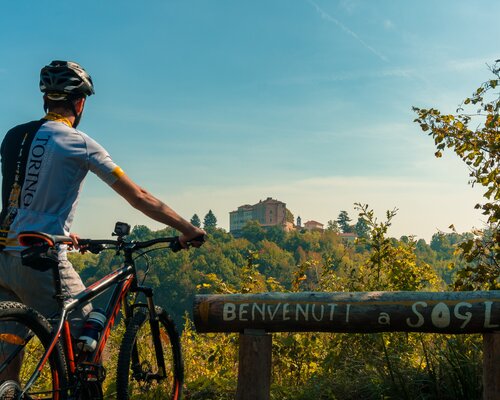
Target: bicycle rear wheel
24, 335
139, 375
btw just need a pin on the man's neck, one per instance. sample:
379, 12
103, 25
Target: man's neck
61, 116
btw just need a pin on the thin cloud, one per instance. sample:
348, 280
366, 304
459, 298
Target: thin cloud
328, 17
344, 76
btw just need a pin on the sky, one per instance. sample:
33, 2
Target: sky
214, 104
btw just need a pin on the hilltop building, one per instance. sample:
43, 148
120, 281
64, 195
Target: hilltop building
313, 226
267, 213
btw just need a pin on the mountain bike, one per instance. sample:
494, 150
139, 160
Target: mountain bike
149, 361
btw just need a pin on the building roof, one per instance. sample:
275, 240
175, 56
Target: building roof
312, 222
269, 200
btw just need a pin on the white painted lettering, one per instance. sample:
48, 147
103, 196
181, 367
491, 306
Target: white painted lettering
285, 312
420, 317
466, 317
243, 311
261, 309
487, 315
271, 313
440, 316
322, 308
332, 310
305, 313
384, 319
229, 312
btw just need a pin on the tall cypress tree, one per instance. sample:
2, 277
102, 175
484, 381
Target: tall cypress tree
195, 220
210, 221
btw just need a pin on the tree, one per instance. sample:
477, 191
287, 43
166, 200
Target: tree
210, 221
333, 226
473, 133
195, 220
253, 231
343, 220
361, 228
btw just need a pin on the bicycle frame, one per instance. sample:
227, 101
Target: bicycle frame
126, 281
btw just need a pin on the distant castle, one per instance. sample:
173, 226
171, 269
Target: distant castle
267, 213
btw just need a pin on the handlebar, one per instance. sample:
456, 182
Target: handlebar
97, 245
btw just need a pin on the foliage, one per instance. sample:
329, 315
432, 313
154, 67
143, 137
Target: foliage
343, 221
333, 226
362, 229
253, 231
210, 221
473, 134
195, 220
309, 365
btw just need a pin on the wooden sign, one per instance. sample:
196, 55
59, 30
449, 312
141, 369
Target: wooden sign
354, 312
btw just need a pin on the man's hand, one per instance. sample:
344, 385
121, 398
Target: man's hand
74, 237
195, 237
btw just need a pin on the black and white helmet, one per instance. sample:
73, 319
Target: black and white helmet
61, 80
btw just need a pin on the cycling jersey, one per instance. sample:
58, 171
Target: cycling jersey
44, 164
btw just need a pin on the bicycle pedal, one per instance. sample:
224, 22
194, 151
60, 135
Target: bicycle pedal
90, 372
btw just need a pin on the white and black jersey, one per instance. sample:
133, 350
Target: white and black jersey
44, 164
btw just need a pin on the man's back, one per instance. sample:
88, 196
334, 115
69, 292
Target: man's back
44, 164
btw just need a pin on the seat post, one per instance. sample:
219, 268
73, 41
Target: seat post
56, 275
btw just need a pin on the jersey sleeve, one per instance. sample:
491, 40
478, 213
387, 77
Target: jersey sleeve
101, 164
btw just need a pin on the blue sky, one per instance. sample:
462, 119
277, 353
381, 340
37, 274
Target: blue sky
215, 104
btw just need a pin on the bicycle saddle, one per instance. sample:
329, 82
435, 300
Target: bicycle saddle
34, 238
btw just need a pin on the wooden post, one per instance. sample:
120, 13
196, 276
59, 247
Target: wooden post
254, 368
491, 366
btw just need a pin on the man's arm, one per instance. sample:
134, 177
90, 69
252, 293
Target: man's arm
154, 208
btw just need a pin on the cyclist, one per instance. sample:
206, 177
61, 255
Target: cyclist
44, 164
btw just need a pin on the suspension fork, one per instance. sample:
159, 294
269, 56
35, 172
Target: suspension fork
154, 323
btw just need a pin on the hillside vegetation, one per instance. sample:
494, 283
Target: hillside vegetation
313, 365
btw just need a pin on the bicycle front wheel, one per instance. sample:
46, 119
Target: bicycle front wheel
147, 370
24, 336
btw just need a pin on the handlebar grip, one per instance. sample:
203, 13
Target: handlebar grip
89, 245
176, 246
200, 239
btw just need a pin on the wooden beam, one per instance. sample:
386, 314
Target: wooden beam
356, 312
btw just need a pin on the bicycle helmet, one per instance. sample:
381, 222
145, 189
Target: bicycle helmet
61, 80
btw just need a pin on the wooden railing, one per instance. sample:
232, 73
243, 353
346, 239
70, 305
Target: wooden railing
254, 316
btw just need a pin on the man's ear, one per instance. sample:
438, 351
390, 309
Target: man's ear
79, 104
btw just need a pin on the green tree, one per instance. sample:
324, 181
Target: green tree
361, 228
333, 226
276, 234
253, 232
210, 221
344, 220
473, 134
195, 220
442, 245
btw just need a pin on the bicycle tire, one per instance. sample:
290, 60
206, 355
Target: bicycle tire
52, 382
132, 380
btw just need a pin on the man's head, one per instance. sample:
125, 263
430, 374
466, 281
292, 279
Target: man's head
65, 85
